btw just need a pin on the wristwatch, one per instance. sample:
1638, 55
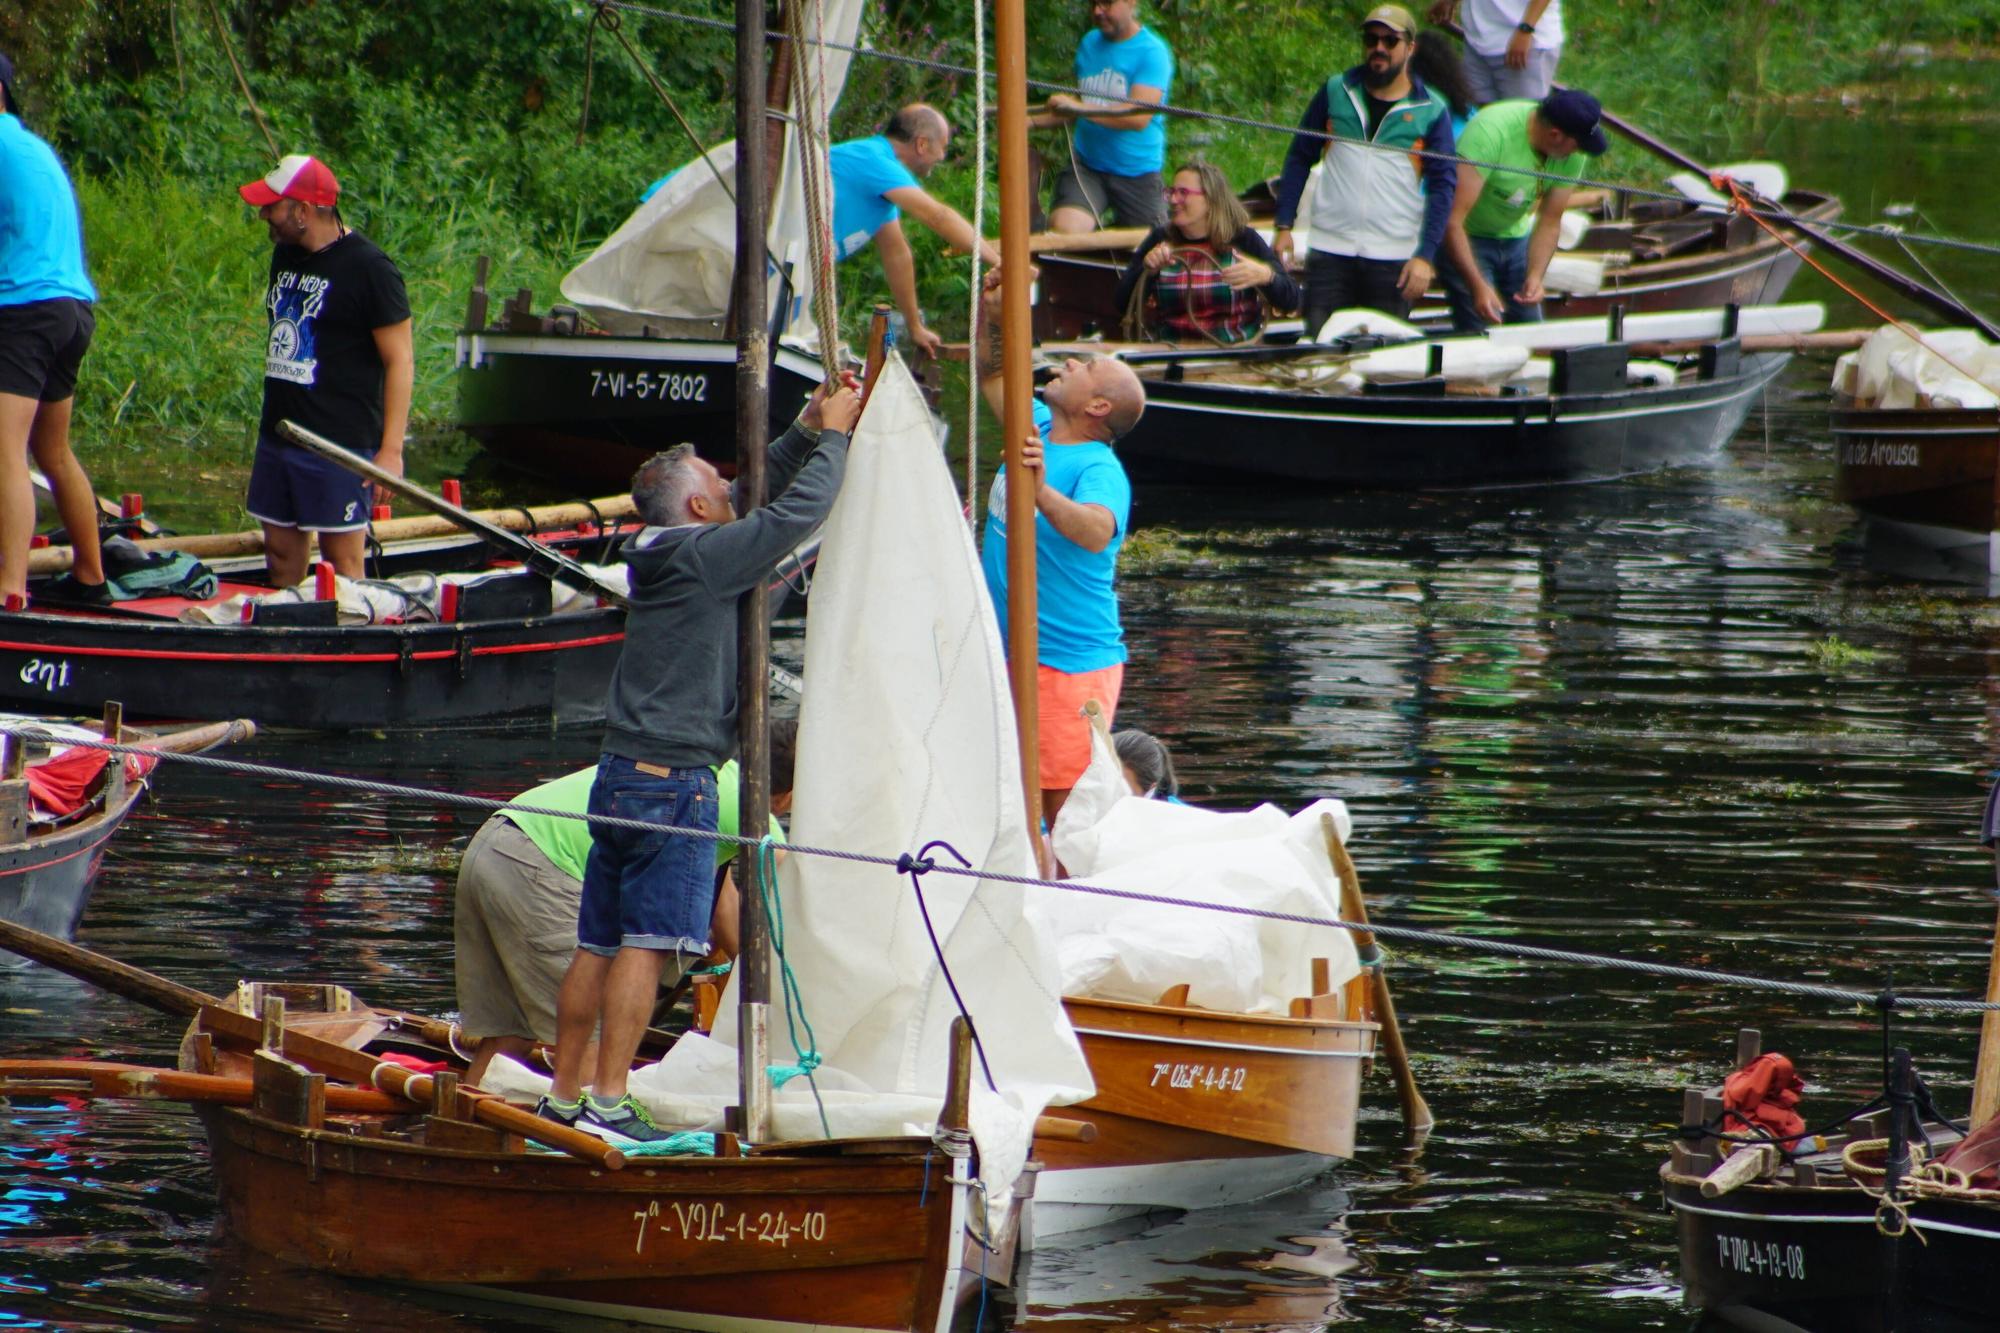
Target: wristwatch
1528, 28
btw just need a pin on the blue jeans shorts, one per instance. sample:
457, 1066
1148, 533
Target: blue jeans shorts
648, 889
1504, 261
292, 487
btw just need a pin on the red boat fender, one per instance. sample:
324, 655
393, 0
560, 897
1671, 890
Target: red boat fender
16, 601
380, 514
1761, 1095
451, 491
324, 588
131, 504
40, 541
448, 603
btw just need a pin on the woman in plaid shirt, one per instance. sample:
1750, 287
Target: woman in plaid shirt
1205, 275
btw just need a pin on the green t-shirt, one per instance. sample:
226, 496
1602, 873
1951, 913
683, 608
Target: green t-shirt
1507, 199
566, 842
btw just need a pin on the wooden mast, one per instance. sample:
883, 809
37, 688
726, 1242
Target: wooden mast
1010, 32
1986, 1071
753, 424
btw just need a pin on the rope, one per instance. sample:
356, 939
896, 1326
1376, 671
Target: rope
976, 289
809, 118
795, 1004
1250, 122
229, 49
1876, 1000
916, 867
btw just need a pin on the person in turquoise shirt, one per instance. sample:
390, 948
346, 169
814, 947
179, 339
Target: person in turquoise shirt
519, 886
1118, 149
1083, 501
875, 181
47, 317
1508, 213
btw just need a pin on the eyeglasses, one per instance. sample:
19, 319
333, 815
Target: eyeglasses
1175, 193
1388, 41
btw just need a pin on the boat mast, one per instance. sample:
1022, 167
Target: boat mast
753, 424
1010, 30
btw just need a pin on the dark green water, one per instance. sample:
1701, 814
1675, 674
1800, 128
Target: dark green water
1675, 718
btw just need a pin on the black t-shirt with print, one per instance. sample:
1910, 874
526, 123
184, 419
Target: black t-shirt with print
321, 368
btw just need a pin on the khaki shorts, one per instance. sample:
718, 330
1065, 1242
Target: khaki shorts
515, 924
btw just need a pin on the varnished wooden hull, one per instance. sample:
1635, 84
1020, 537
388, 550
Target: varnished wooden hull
1196, 1108
1927, 480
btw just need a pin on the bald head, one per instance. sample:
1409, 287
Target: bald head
1119, 384
1096, 399
918, 118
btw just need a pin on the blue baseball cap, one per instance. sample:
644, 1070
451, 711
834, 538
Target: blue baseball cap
1579, 115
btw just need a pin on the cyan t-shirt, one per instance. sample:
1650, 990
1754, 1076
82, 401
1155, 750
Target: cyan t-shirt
566, 842
1075, 592
41, 226
1109, 71
1508, 199
863, 171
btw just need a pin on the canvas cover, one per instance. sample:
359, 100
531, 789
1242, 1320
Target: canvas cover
1118, 949
1949, 368
671, 260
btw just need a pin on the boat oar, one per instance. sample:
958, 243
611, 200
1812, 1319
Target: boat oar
105, 1079
1417, 1118
550, 564
315, 1053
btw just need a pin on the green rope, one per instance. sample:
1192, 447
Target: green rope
795, 1004
691, 1143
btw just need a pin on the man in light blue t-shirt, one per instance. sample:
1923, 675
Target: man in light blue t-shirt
875, 183
1082, 503
1118, 150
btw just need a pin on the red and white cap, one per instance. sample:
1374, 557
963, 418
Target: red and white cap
299, 177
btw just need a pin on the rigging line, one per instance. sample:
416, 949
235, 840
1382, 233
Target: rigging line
976, 288
809, 120
1444, 939
229, 49
1276, 127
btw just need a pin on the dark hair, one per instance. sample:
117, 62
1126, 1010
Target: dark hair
784, 754
1150, 761
663, 485
1437, 65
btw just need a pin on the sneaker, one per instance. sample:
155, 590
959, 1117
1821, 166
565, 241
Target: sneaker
548, 1110
624, 1119
72, 591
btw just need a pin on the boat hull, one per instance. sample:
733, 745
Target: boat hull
324, 679
1198, 1109
1928, 482
45, 882
1203, 431
587, 409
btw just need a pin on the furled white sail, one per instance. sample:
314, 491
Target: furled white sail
1120, 949
669, 263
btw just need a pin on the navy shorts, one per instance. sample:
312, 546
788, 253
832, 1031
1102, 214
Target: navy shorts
648, 889
292, 487
41, 345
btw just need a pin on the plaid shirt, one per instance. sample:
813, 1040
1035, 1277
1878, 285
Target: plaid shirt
1189, 299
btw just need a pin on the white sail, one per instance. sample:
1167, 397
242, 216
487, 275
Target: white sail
669, 263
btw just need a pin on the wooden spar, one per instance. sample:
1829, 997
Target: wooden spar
1986, 1071
100, 1078
1417, 1118
1892, 278
216, 545
155, 992
1010, 32
753, 619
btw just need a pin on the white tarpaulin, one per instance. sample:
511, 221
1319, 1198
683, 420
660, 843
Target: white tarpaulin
672, 258
1948, 368
1117, 949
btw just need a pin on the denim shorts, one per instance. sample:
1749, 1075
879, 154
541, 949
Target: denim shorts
648, 889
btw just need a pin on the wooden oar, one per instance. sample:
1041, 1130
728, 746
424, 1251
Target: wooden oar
553, 565
315, 1053
1417, 1117
100, 1078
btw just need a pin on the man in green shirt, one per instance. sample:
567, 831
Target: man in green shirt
519, 886
1506, 217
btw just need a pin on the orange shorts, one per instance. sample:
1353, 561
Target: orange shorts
1065, 731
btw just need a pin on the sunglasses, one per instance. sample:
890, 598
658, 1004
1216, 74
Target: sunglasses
1387, 41
1175, 193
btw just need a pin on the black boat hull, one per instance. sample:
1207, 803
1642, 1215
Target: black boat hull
1406, 441
587, 410
342, 678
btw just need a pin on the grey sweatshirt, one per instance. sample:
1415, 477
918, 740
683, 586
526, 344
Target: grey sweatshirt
673, 692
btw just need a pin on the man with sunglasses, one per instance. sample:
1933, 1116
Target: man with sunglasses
1377, 214
1119, 149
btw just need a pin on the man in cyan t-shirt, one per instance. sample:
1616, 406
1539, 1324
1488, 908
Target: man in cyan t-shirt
1508, 213
46, 320
875, 183
1082, 503
338, 360
1118, 149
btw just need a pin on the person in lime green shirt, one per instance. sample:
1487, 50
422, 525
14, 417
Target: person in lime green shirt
1505, 218
519, 885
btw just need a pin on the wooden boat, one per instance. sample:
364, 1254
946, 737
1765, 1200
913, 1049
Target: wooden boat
1661, 255
49, 859
1281, 414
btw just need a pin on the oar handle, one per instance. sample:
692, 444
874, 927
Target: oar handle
491, 1110
108, 973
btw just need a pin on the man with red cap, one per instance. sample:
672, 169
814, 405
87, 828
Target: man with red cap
339, 362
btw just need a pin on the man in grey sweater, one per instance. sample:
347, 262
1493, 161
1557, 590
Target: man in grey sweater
670, 718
